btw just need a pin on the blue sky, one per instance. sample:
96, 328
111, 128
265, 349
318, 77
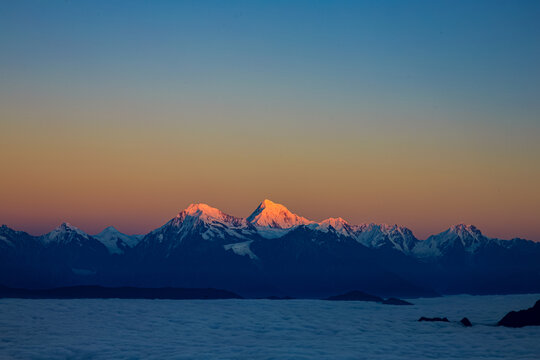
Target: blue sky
476, 56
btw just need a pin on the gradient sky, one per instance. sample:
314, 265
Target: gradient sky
123, 113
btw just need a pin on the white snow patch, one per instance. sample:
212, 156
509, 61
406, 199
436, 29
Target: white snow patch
4, 239
241, 249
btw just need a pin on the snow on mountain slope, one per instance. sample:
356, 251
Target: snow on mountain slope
339, 225
276, 216
275, 220
73, 249
64, 233
383, 235
196, 214
458, 237
6, 236
272, 220
117, 242
14, 238
202, 220
241, 249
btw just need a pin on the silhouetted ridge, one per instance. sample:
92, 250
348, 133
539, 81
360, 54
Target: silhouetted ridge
100, 292
356, 295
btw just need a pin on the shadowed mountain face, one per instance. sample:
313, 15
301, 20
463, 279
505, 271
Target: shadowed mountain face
273, 251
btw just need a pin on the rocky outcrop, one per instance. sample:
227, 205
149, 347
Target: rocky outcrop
433, 319
516, 319
356, 295
362, 296
395, 301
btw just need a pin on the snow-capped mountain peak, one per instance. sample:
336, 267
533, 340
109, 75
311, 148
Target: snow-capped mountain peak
274, 215
384, 235
195, 213
201, 209
7, 234
64, 232
66, 227
115, 241
463, 230
468, 235
4, 229
334, 222
199, 220
111, 229
338, 224
461, 236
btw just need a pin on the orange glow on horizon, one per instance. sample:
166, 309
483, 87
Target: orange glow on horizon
138, 178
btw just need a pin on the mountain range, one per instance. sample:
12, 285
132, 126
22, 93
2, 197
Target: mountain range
273, 252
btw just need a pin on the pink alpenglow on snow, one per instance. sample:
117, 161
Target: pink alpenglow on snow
271, 214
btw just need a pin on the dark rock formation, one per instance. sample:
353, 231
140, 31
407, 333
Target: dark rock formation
434, 319
395, 301
356, 296
362, 296
521, 318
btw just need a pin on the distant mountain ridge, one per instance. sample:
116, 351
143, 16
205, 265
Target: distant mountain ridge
272, 251
100, 292
117, 242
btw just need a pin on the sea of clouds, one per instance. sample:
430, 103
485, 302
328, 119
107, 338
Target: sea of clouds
263, 329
